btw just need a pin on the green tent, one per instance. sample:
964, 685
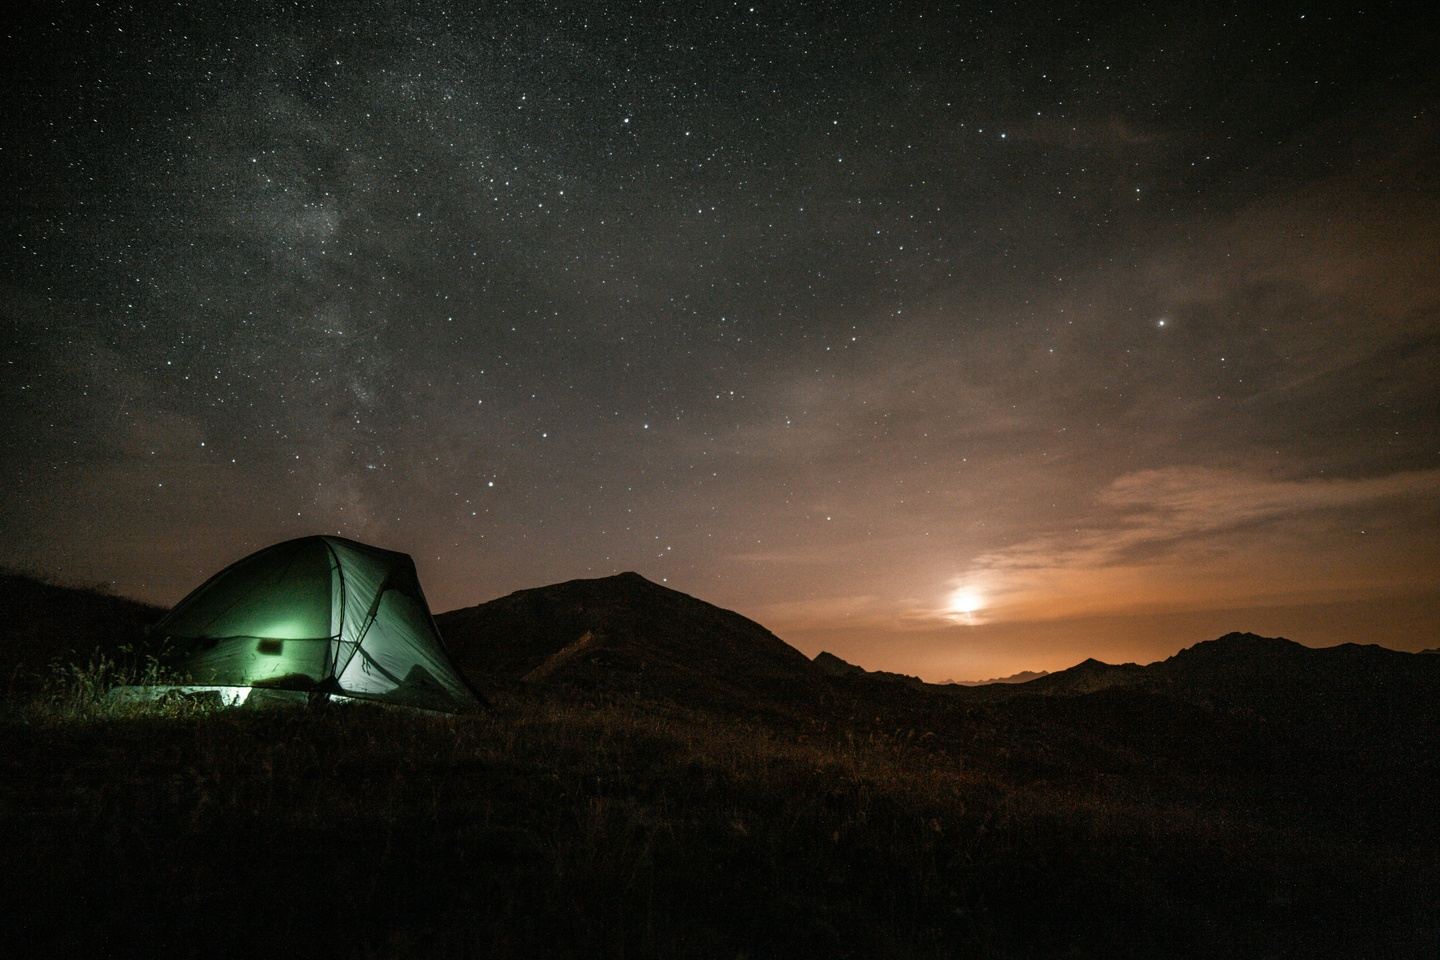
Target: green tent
317, 618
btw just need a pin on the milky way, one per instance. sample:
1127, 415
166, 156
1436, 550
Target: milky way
1119, 323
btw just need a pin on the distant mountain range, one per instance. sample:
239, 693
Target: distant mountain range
1024, 676
1237, 664
833, 666
1240, 660
625, 634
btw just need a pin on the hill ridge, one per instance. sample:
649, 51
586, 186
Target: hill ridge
646, 638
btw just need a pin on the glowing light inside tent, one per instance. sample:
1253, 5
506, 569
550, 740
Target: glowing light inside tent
291, 628
229, 696
234, 696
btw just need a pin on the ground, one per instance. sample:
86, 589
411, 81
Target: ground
556, 825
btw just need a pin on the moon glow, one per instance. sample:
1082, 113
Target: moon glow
965, 601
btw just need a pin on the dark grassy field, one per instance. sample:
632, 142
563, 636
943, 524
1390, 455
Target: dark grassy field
875, 821
555, 828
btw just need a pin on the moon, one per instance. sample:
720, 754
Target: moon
965, 601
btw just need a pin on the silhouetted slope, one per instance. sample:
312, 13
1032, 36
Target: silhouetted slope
1024, 676
1351, 685
44, 621
1243, 667
1246, 656
623, 632
835, 667
1264, 676
1087, 676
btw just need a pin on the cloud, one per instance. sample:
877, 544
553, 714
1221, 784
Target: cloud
1173, 505
1171, 536
1183, 501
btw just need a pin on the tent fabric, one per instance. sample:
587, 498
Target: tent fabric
320, 614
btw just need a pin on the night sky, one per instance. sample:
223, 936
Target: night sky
955, 339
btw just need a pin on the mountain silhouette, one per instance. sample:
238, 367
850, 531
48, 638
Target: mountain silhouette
1087, 676
833, 666
624, 633
1024, 676
1272, 677
47, 621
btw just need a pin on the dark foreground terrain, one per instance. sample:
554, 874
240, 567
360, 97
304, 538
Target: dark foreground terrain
1177, 815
